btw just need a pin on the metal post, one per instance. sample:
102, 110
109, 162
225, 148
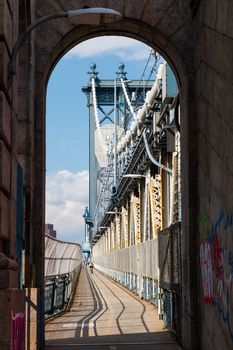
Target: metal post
40, 319
64, 292
53, 295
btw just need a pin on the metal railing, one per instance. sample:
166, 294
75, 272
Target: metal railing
58, 291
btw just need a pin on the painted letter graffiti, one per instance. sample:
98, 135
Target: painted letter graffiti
216, 261
207, 271
17, 331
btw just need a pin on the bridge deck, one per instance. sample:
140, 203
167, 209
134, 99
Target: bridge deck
106, 316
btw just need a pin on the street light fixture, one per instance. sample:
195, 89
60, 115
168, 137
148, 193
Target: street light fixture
68, 14
134, 176
113, 212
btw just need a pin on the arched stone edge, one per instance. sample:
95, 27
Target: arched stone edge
184, 72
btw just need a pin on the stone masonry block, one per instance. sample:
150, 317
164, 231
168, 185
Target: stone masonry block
22, 114
9, 279
222, 101
206, 82
130, 7
218, 52
4, 59
12, 303
221, 16
5, 346
5, 317
229, 148
15, 17
10, 4
228, 106
13, 228
5, 169
215, 169
24, 139
183, 38
4, 216
210, 13
229, 19
213, 127
212, 56
14, 134
6, 24
153, 13
5, 119
218, 90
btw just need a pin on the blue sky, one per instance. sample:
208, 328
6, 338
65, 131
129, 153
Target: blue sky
67, 125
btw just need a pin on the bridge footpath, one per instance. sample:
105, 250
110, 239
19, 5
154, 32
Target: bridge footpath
104, 315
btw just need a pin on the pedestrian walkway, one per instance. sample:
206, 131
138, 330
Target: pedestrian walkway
105, 315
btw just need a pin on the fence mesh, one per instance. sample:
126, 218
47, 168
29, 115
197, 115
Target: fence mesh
169, 257
61, 257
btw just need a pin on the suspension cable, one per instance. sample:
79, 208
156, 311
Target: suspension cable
153, 69
143, 73
127, 99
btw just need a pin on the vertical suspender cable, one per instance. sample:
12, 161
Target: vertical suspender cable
127, 99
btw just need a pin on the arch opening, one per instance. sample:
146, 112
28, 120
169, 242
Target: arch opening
148, 189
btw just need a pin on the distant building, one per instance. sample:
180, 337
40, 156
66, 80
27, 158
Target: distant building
50, 231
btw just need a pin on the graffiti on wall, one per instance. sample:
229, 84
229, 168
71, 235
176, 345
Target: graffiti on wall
216, 261
207, 271
17, 331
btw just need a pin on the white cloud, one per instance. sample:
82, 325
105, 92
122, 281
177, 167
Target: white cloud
123, 47
66, 199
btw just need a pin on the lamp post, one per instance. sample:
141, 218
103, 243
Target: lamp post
134, 176
68, 14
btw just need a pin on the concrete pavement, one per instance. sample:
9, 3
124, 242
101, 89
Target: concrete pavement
106, 316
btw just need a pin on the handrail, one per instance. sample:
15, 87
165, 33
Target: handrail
58, 291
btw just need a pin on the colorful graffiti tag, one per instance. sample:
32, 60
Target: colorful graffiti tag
207, 272
17, 331
216, 261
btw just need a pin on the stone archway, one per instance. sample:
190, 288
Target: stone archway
196, 38
168, 28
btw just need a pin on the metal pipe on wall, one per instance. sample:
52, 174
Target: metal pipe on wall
160, 165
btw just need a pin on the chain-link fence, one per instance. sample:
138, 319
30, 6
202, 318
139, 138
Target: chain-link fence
169, 244
61, 257
63, 262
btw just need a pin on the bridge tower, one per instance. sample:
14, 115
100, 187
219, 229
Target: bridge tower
112, 105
